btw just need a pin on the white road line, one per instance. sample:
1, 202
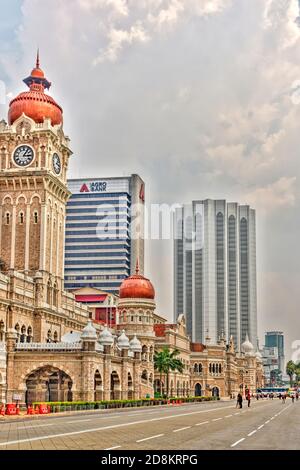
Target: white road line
112, 426
228, 416
78, 421
251, 433
237, 413
216, 419
203, 422
182, 429
35, 427
237, 442
112, 448
272, 418
267, 421
261, 426
151, 437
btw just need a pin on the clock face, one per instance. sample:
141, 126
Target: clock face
23, 155
56, 163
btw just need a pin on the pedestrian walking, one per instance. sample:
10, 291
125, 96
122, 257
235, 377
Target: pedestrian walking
249, 399
279, 396
283, 398
240, 400
293, 398
297, 396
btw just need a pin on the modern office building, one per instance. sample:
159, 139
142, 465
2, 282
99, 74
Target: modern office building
275, 339
104, 232
215, 270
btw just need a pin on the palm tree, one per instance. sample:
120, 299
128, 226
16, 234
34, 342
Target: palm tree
297, 372
290, 370
164, 362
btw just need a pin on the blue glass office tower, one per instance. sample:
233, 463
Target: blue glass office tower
104, 232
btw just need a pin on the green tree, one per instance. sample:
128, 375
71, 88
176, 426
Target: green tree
166, 361
290, 370
297, 372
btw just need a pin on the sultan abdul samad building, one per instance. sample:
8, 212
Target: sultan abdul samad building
50, 349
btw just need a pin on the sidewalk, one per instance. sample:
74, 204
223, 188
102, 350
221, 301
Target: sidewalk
23, 416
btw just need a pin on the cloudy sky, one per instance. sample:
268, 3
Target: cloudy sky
200, 97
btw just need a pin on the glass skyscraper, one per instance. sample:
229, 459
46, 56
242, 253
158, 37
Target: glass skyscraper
275, 339
104, 232
215, 270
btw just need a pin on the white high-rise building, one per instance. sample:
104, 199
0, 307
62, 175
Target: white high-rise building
215, 270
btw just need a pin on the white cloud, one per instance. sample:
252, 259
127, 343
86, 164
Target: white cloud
278, 195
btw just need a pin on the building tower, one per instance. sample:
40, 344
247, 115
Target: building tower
215, 270
34, 156
136, 307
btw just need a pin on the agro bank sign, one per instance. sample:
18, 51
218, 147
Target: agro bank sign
110, 185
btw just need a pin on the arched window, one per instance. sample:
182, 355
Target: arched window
49, 289
2, 332
210, 369
55, 295
35, 217
196, 368
23, 334
49, 336
200, 367
145, 375
213, 368
7, 218
217, 368
29, 334
144, 353
21, 218
17, 328
220, 369
55, 337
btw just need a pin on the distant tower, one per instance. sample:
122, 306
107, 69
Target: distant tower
34, 156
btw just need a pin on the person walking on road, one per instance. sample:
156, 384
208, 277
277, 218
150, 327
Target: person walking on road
240, 400
283, 398
249, 399
293, 398
297, 396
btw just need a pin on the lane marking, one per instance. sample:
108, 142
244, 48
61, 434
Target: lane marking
251, 433
217, 419
182, 429
261, 426
237, 413
151, 437
266, 422
35, 427
237, 442
112, 448
272, 418
78, 421
112, 426
203, 422
228, 416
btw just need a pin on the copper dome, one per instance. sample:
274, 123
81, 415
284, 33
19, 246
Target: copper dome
35, 103
137, 287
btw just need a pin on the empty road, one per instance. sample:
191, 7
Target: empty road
267, 424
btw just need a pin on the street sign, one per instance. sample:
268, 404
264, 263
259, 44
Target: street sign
17, 397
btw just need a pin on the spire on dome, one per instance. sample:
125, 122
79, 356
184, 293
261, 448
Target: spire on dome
37, 80
38, 58
137, 267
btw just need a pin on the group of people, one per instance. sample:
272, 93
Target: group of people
281, 396
239, 402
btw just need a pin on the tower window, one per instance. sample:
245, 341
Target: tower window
7, 218
35, 217
21, 217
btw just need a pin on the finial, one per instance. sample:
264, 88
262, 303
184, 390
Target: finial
38, 58
137, 267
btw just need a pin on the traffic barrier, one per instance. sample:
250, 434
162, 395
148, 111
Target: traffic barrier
2, 410
43, 409
30, 410
11, 409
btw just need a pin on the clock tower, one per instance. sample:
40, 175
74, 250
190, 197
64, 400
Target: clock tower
34, 156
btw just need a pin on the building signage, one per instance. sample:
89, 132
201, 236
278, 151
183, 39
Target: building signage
94, 187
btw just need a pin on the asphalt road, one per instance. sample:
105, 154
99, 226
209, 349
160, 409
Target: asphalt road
267, 424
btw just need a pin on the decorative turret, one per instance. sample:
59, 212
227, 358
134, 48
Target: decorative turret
35, 103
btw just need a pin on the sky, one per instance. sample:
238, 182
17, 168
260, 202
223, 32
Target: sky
199, 97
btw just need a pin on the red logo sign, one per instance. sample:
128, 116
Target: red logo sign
142, 193
84, 189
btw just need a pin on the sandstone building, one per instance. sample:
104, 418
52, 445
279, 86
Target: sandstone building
50, 349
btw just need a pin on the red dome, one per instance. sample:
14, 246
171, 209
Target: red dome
136, 287
35, 103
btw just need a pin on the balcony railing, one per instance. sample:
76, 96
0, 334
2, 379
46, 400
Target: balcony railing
48, 346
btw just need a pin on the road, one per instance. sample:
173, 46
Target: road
267, 424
